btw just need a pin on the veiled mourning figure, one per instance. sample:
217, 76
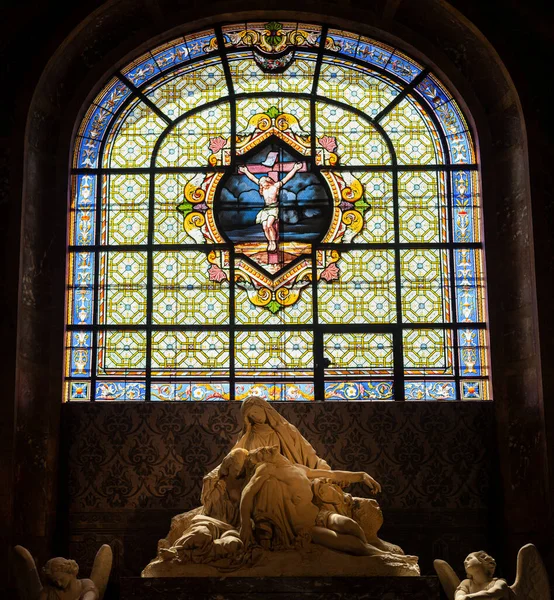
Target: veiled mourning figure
263, 426
266, 507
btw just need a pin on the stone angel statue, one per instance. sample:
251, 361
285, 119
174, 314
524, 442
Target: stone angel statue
60, 576
531, 580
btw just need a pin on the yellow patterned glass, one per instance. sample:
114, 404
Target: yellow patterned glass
275, 208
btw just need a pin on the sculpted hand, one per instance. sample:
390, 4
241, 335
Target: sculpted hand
373, 485
245, 534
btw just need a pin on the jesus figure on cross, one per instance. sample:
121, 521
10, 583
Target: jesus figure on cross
269, 191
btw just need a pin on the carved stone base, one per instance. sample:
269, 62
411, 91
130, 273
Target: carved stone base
316, 561
281, 588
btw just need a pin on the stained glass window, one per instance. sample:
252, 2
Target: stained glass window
279, 209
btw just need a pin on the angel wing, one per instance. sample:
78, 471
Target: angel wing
101, 568
531, 579
26, 575
448, 578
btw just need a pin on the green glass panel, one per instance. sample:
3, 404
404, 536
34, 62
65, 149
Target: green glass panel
252, 111
425, 286
122, 289
190, 142
358, 354
190, 353
121, 353
363, 292
422, 209
187, 291
134, 137
346, 138
249, 78
355, 86
274, 353
125, 209
428, 352
189, 88
413, 134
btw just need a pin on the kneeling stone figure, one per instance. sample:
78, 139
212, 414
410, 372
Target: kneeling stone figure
531, 581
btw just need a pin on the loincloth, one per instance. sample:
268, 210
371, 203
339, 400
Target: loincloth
266, 213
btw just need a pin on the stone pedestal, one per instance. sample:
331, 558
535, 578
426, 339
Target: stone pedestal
281, 588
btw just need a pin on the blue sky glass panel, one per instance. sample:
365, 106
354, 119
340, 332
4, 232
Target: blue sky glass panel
86, 153
141, 70
342, 42
433, 91
201, 43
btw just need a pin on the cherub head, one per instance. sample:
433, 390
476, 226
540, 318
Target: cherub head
479, 561
61, 572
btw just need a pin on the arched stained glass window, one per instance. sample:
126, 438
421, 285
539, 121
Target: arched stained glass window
278, 209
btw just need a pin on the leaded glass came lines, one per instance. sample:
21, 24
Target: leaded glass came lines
365, 291
296, 215
188, 144
187, 88
358, 142
183, 293
356, 87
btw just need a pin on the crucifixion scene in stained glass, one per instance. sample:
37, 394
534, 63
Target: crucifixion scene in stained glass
276, 209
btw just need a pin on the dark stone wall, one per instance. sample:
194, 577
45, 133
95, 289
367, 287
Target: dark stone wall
130, 468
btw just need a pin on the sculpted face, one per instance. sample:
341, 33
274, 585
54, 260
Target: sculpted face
237, 466
480, 562
265, 454
329, 494
472, 563
233, 463
62, 580
266, 182
256, 414
368, 514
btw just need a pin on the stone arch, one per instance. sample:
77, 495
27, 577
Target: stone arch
460, 54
